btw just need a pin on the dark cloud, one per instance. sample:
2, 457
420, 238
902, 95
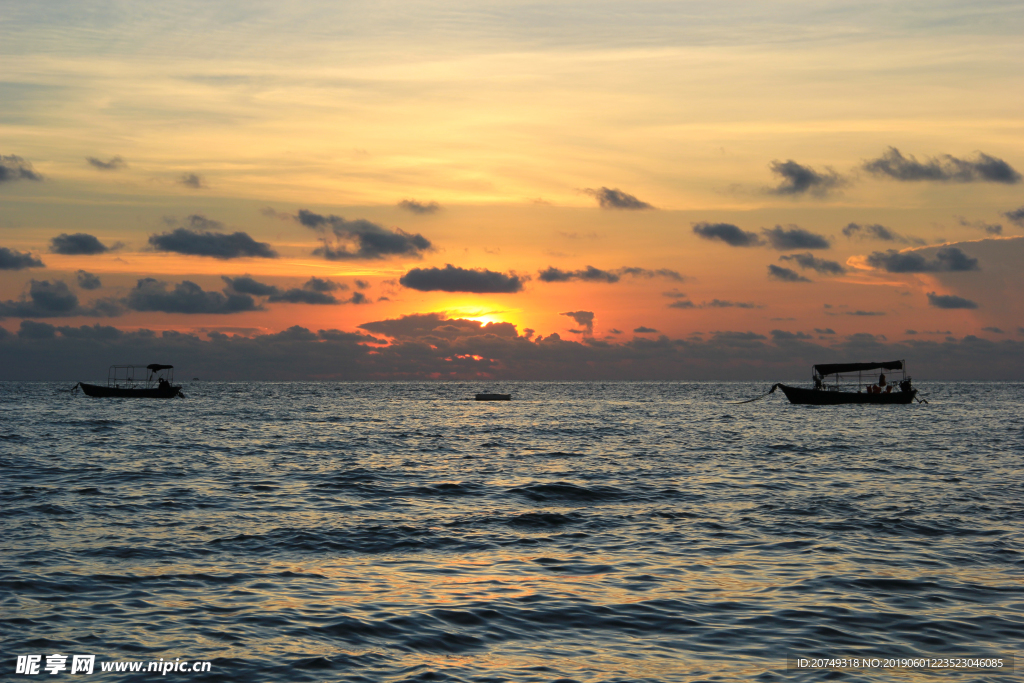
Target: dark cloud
113, 164
728, 233
878, 232
944, 168
78, 244
16, 260
949, 301
248, 285
862, 314
362, 284
718, 303
419, 208
15, 168
644, 330
429, 346
590, 274
647, 273
34, 330
947, 260
453, 279
316, 291
990, 228
810, 261
794, 238
827, 330
797, 179
87, 280
993, 330
784, 336
584, 319
150, 294
785, 274
197, 240
682, 303
360, 239
55, 299
616, 199
193, 181
1016, 216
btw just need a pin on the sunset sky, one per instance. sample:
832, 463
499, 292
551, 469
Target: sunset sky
644, 190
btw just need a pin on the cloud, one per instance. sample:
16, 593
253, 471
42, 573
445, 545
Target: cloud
453, 279
728, 233
862, 314
362, 284
360, 239
187, 297
949, 301
990, 228
682, 303
196, 241
1016, 216
317, 291
15, 168
794, 238
592, 274
87, 280
113, 164
718, 303
582, 318
248, 285
797, 179
54, 300
945, 168
785, 274
784, 336
76, 245
878, 232
16, 260
993, 330
809, 260
419, 208
193, 181
33, 330
616, 199
827, 330
947, 260
644, 330
436, 327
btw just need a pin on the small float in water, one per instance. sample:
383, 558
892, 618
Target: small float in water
494, 397
841, 383
135, 381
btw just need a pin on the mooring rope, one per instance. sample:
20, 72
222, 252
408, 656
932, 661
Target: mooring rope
751, 400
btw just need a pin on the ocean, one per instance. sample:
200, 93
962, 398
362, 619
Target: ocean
590, 532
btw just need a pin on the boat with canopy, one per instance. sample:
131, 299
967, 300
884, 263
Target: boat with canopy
135, 381
840, 383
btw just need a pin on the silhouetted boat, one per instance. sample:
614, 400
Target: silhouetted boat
156, 381
494, 397
840, 390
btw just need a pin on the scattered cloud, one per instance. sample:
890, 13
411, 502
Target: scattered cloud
784, 336
947, 260
360, 239
16, 260
87, 280
589, 274
797, 179
862, 314
785, 274
197, 240
78, 244
584, 319
419, 208
362, 284
436, 327
993, 330
193, 181
949, 301
15, 168
718, 303
878, 232
55, 299
944, 168
644, 272
616, 199
248, 285
810, 261
644, 330
728, 233
682, 303
453, 279
1016, 216
990, 228
794, 238
150, 294
112, 164
827, 330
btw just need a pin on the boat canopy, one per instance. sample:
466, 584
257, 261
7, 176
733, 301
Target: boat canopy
156, 367
837, 368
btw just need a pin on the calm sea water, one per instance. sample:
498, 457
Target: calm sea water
583, 531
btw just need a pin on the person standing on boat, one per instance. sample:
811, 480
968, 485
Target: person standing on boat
881, 381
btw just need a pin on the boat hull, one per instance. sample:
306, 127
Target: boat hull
118, 392
494, 397
819, 397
